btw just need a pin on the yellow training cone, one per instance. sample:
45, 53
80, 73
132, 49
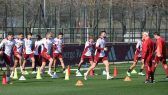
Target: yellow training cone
66, 75
134, 71
15, 74
38, 76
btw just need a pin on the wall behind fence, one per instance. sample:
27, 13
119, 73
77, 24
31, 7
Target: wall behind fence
117, 52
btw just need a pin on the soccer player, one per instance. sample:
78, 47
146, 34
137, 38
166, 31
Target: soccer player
160, 52
147, 56
37, 52
58, 45
100, 55
6, 47
28, 53
137, 56
46, 44
87, 54
18, 49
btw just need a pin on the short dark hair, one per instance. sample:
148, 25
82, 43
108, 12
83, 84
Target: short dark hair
38, 37
10, 33
60, 33
156, 33
29, 33
102, 32
20, 34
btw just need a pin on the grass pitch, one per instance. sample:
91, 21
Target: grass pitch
97, 85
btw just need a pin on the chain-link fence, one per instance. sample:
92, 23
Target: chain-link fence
124, 20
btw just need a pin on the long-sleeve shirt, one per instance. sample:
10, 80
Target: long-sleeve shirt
28, 44
100, 45
7, 45
139, 48
37, 48
160, 47
46, 45
57, 45
147, 48
88, 50
18, 48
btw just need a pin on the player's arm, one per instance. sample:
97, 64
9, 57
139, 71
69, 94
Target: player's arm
138, 46
98, 46
159, 48
2, 44
18, 45
14, 47
24, 46
35, 45
41, 42
144, 50
54, 47
86, 48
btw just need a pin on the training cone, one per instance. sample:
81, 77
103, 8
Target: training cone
15, 74
69, 70
127, 78
115, 72
38, 76
79, 83
4, 82
22, 78
133, 71
66, 74
91, 72
78, 74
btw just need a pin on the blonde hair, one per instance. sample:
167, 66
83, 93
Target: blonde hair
145, 33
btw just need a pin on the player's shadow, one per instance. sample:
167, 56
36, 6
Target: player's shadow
119, 78
35, 81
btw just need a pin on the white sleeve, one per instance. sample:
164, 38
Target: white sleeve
55, 41
16, 43
2, 43
138, 44
97, 43
36, 44
86, 44
40, 42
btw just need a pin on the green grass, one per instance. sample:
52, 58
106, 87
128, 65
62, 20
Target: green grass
97, 85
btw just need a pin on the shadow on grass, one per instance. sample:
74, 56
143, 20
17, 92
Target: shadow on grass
35, 81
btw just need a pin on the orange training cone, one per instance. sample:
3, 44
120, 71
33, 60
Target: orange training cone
115, 72
69, 70
91, 72
4, 82
127, 78
79, 83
